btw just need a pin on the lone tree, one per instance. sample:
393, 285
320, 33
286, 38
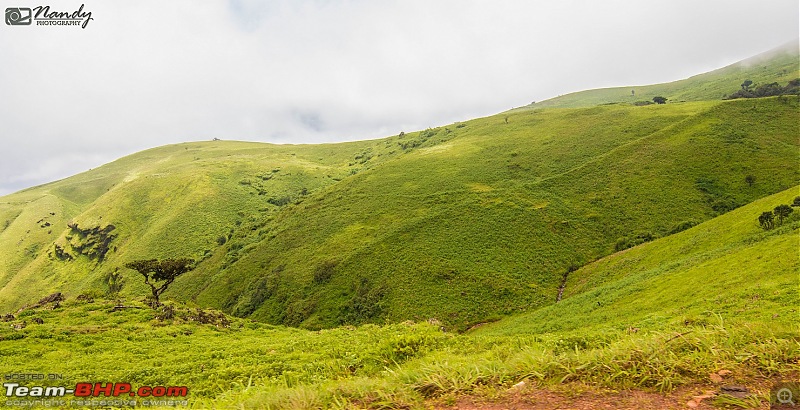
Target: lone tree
750, 179
782, 211
164, 271
766, 220
746, 85
659, 100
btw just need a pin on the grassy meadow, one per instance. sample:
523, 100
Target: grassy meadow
411, 270
466, 224
627, 322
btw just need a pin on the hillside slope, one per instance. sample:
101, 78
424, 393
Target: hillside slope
462, 224
779, 65
180, 200
487, 223
718, 296
727, 271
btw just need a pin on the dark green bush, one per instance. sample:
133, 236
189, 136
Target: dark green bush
366, 303
631, 241
324, 272
682, 227
281, 201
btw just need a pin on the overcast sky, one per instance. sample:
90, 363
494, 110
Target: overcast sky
149, 73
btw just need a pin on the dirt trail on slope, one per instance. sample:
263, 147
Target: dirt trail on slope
582, 397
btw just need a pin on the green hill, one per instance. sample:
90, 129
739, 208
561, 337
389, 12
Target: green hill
463, 223
175, 200
486, 223
726, 270
719, 296
780, 65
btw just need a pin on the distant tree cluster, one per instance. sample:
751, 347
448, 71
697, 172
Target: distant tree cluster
765, 90
770, 219
656, 100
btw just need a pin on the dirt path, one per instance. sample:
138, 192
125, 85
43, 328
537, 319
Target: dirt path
581, 397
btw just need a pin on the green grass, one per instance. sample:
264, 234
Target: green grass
418, 237
720, 295
469, 223
779, 65
507, 209
464, 223
165, 202
726, 270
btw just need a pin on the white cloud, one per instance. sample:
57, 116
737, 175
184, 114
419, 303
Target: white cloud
148, 73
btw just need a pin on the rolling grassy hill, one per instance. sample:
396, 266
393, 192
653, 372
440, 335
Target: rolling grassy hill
727, 270
778, 65
464, 223
719, 296
492, 228
168, 201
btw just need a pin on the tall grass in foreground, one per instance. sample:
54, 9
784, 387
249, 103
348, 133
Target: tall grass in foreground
251, 365
660, 361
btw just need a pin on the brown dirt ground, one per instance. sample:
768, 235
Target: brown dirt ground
583, 397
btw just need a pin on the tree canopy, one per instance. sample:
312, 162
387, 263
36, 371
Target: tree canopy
659, 100
782, 211
165, 272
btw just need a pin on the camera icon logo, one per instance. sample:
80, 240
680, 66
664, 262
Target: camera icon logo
18, 16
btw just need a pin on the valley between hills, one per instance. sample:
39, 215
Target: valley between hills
583, 246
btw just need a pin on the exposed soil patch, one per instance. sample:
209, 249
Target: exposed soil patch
582, 397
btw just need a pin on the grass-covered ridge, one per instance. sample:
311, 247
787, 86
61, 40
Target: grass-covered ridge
506, 210
180, 200
780, 65
728, 269
669, 315
462, 224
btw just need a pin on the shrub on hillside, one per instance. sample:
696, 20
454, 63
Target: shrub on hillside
724, 204
631, 241
324, 272
256, 293
114, 282
766, 220
366, 304
281, 201
766, 90
682, 227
